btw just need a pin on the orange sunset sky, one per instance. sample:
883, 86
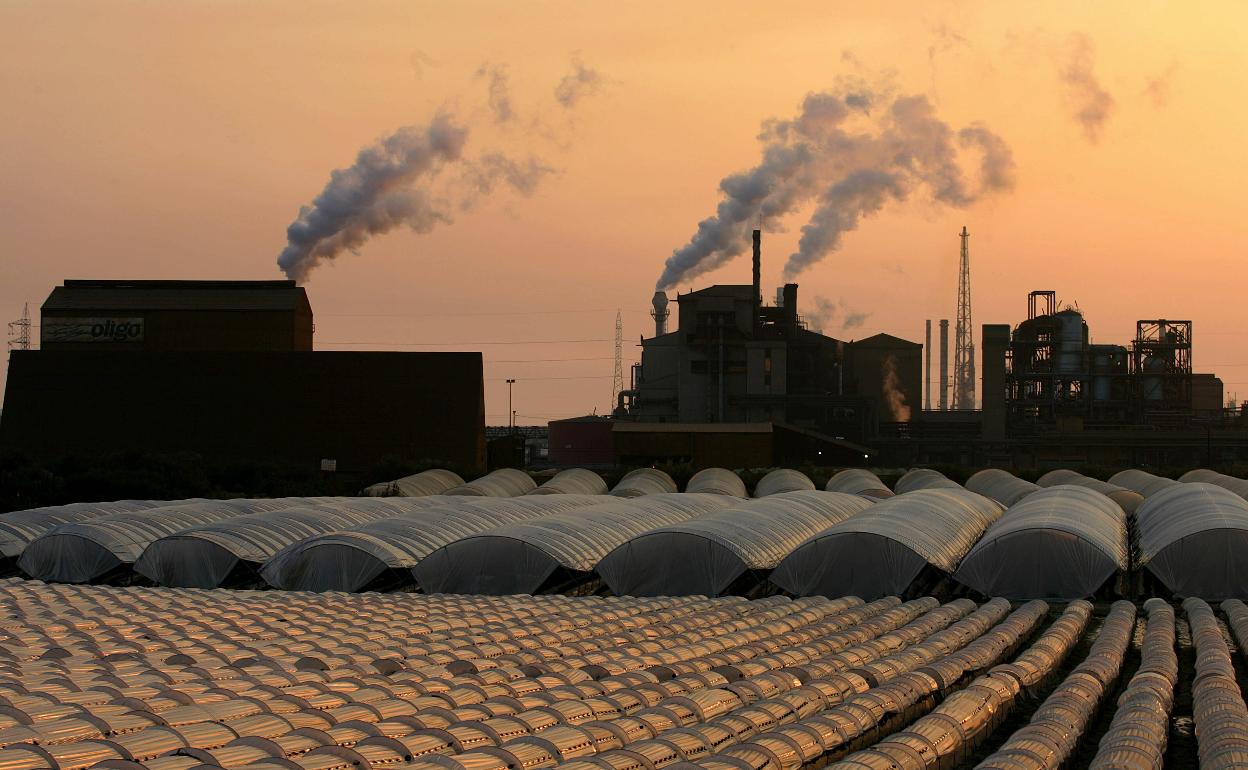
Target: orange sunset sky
179, 139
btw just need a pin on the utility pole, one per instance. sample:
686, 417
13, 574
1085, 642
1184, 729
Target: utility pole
617, 381
19, 331
964, 343
511, 415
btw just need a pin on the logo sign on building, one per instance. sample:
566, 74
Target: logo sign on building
55, 330
329, 466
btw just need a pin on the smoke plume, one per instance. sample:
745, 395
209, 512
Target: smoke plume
374, 195
894, 397
854, 320
417, 176
850, 160
580, 82
1090, 102
822, 314
499, 87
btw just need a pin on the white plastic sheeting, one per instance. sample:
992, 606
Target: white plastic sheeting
923, 478
717, 481
1142, 482
883, 549
18, 528
204, 556
431, 482
1127, 499
703, 556
573, 481
1236, 485
1063, 542
644, 481
352, 559
1002, 486
520, 558
82, 551
1194, 538
782, 480
504, 482
858, 481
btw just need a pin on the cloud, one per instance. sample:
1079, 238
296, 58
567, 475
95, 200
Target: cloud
1091, 105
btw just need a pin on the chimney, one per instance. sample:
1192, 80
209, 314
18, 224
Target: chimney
944, 365
927, 350
758, 273
659, 313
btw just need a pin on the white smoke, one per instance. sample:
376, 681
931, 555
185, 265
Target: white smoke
894, 397
839, 154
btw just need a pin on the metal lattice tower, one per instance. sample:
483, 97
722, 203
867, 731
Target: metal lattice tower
964, 342
617, 382
19, 331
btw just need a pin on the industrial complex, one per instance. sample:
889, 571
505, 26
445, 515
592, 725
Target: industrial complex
226, 369
1048, 397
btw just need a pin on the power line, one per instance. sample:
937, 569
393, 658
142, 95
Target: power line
458, 344
463, 315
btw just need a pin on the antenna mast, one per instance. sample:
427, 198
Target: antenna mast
964, 343
617, 382
19, 331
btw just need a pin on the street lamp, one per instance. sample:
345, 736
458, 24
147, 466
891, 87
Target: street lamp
511, 415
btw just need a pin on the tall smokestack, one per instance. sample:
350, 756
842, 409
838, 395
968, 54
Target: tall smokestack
927, 384
659, 313
944, 365
758, 273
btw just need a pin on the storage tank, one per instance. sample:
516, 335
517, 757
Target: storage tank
1070, 356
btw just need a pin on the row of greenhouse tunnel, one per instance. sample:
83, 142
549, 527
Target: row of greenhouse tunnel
1066, 536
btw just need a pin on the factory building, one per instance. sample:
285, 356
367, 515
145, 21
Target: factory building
1053, 398
226, 370
733, 360
176, 315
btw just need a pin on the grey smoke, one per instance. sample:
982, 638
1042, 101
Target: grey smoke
374, 195
1090, 103
822, 314
499, 87
580, 82
849, 160
1158, 88
483, 176
417, 176
943, 39
419, 61
854, 320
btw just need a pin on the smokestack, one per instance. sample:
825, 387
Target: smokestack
927, 384
944, 365
758, 273
659, 313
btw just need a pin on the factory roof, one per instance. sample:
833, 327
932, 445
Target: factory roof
176, 295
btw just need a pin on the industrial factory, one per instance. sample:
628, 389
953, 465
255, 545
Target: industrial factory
732, 360
754, 376
226, 370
